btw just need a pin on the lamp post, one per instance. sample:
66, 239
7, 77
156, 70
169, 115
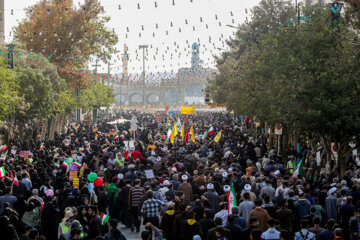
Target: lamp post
143, 47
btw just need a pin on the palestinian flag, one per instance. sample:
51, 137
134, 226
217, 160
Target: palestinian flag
3, 148
298, 170
104, 218
210, 131
76, 163
57, 164
231, 198
41, 147
65, 164
81, 149
168, 135
2, 172
16, 181
116, 137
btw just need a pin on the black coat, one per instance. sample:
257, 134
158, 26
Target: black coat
206, 224
190, 230
166, 225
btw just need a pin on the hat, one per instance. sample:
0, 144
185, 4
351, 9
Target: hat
343, 182
277, 172
166, 183
184, 177
247, 187
196, 237
224, 175
332, 190
202, 187
49, 193
68, 215
226, 188
171, 204
120, 176
333, 185
210, 186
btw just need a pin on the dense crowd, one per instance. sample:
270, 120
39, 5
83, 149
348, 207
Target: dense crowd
91, 180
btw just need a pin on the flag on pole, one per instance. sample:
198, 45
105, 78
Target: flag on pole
298, 170
41, 147
231, 198
81, 149
210, 131
173, 133
65, 164
187, 135
2, 172
192, 133
116, 137
182, 134
78, 164
178, 123
3, 148
217, 137
168, 135
57, 164
16, 181
57, 155
104, 218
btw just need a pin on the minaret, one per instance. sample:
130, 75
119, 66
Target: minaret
195, 58
125, 60
2, 22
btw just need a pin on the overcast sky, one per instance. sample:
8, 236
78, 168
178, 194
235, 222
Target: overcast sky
198, 13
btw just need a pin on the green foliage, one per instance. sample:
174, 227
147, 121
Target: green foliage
8, 91
96, 96
304, 76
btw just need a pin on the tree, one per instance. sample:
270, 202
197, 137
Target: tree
67, 35
303, 76
8, 91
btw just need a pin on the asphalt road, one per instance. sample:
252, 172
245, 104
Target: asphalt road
128, 234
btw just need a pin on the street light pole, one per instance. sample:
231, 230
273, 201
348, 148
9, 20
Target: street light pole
143, 48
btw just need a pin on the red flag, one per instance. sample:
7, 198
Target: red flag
187, 135
186, 119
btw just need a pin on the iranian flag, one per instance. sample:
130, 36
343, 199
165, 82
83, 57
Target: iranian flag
3, 148
210, 131
104, 218
231, 198
2, 172
298, 170
76, 163
57, 155
57, 164
41, 147
55, 150
16, 181
81, 149
65, 163
168, 135
3, 157
116, 137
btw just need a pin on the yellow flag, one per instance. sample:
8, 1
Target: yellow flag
182, 134
217, 137
192, 133
173, 133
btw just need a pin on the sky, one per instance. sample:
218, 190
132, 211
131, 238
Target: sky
168, 48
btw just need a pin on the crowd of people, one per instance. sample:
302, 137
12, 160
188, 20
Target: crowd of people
92, 181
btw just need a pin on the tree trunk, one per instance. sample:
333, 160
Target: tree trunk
43, 129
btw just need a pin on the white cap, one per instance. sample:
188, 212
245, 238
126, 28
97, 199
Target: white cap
202, 187
343, 182
277, 172
332, 190
166, 183
120, 176
210, 186
184, 177
226, 188
247, 187
224, 175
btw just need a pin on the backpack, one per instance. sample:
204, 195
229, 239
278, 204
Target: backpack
32, 217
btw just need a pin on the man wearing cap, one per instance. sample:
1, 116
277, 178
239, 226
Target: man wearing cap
212, 197
330, 204
64, 225
186, 188
164, 188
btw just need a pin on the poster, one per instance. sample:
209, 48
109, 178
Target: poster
149, 174
24, 154
76, 182
73, 174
